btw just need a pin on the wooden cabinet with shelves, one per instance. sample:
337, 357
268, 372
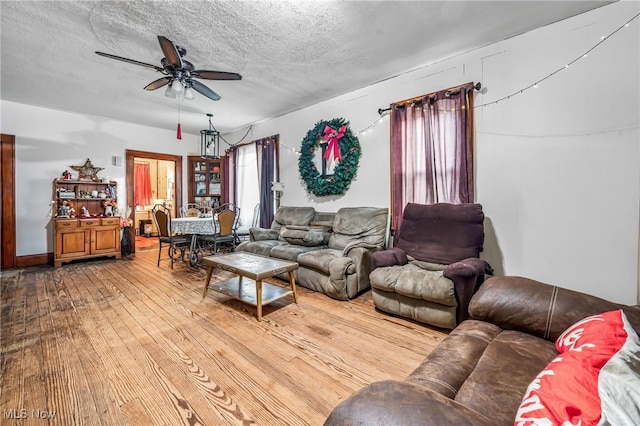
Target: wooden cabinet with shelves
206, 181
94, 234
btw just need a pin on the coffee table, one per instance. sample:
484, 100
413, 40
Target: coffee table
251, 270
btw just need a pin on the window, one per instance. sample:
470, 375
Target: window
432, 150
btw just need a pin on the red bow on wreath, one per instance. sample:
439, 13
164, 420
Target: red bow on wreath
332, 135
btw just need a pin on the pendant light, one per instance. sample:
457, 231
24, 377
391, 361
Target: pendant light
210, 141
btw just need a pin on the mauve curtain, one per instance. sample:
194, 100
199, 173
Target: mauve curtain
142, 188
232, 183
431, 150
268, 172
268, 169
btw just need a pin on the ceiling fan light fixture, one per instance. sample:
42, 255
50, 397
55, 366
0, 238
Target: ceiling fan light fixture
176, 86
169, 93
188, 93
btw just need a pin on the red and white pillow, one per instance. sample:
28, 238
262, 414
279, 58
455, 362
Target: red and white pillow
595, 380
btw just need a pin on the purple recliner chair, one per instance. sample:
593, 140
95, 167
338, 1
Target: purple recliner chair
434, 267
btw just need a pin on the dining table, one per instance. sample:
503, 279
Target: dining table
194, 226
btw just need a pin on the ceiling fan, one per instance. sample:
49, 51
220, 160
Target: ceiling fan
180, 74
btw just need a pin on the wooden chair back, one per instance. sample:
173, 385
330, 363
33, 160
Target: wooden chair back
162, 218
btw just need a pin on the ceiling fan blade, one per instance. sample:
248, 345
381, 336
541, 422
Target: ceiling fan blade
131, 61
158, 83
216, 75
204, 90
170, 52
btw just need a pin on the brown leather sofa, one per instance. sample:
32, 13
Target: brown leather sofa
479, 373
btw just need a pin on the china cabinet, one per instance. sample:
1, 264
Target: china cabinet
206, 181
85, 220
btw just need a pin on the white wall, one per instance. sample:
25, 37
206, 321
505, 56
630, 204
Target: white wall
557, 167
49, 141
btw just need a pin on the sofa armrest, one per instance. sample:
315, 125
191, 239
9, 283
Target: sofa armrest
466, 275
472, 266
360, 244
389, 257
402, 403
262, 234
533, 307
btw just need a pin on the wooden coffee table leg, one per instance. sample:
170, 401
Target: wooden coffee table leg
259, 298
292, 280
206, 285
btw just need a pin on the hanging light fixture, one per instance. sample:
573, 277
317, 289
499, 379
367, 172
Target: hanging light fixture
188, 93
169, 93
210, 141
176, 86
179, 86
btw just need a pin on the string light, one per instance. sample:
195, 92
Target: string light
385, 112
241, 139
383, 115
364, 131
584, 55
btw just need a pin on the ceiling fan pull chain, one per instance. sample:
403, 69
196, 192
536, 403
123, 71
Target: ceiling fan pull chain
179, 130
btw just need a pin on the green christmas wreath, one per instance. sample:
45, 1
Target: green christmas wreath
338, 144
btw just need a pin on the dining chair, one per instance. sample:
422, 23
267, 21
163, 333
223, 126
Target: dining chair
242, 232
225, 222
191, 210
162, 219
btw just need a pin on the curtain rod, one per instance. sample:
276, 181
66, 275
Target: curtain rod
447, 93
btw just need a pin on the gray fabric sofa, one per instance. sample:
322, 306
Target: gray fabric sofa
333, 249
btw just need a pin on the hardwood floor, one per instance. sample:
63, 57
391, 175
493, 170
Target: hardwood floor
125, 342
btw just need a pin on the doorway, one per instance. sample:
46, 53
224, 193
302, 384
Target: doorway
164, 187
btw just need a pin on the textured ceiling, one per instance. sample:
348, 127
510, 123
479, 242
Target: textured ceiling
291, 54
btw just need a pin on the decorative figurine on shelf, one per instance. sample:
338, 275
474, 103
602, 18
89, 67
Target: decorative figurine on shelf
110, 207
63, 210
72, 212
66, 175
88, 171
84, 212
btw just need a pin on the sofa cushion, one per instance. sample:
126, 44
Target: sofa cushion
305, 236
415, 282
262, 234
321, 260
290, 252
259, 247
447, 367
594, 380
503, 372
456, 231
286, 215
365, 225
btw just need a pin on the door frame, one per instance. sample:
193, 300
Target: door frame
130, 157
7, 205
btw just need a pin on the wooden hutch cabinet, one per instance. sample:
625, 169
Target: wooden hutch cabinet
206, 181
93, 235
